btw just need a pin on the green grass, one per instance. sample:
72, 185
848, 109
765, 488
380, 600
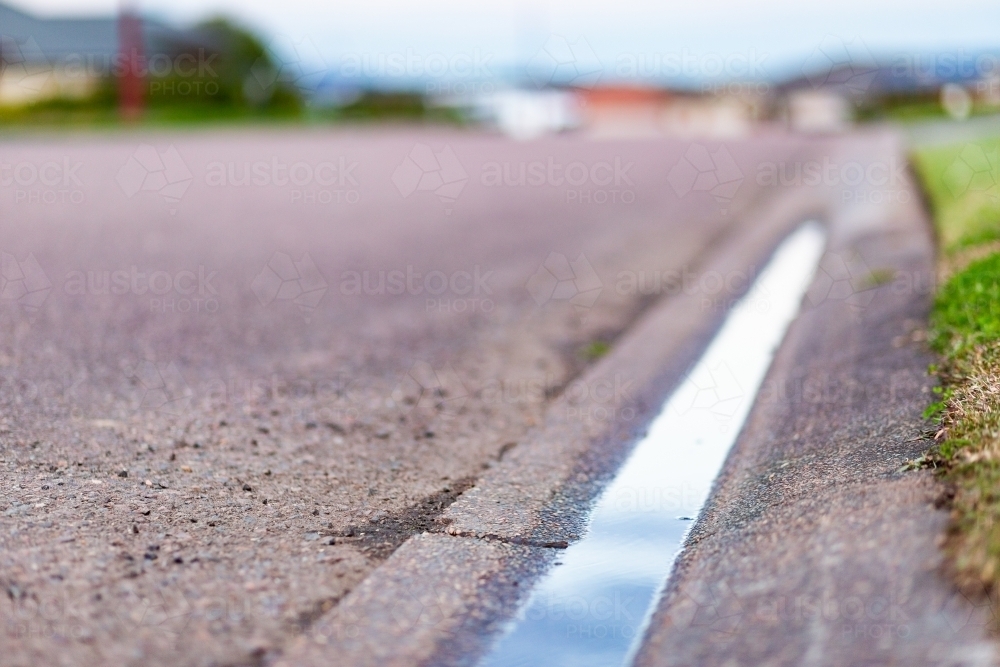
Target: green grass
595, 350
906, 109
877, 277
967, 309
962, 186
103, 114
965, 330
104, 118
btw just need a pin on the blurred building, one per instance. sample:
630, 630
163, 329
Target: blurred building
620, 112
526, 114
818, 111
45, 58
606, 112
831, 96
824, 100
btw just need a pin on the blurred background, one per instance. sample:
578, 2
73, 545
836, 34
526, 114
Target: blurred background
311, 269
713, 69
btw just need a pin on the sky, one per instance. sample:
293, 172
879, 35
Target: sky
707, 39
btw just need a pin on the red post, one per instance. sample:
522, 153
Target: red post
131, 64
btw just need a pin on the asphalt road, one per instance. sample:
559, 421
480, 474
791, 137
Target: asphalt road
264, 391
214, 425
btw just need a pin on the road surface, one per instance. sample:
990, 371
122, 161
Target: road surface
241, 369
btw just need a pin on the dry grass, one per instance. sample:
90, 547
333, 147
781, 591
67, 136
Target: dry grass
969, 454
963, 185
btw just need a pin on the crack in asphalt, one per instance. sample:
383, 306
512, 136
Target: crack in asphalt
520, 541
380, 537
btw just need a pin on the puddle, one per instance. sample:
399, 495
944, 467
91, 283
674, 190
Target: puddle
592, 607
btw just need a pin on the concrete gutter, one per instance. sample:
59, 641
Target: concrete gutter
811, 518
440, 598
816, 548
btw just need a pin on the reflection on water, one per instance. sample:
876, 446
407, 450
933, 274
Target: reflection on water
592, 608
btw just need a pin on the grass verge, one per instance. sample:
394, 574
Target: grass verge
961, 185
104, 114
963, 188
